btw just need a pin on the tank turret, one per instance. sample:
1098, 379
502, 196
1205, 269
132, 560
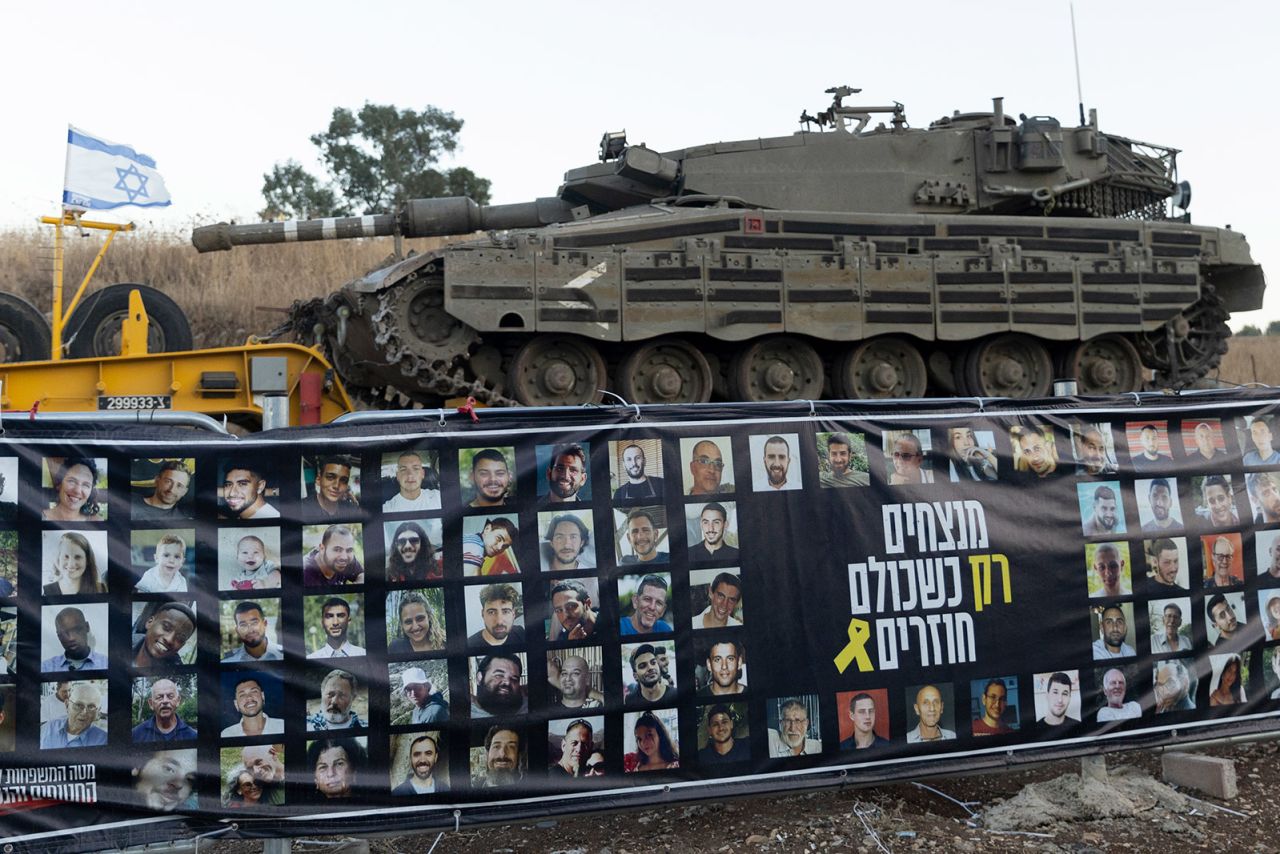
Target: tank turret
857, 257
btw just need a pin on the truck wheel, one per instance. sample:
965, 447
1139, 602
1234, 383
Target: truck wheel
94, 329
24, 334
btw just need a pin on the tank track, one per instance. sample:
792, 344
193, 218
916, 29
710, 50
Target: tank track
398, 349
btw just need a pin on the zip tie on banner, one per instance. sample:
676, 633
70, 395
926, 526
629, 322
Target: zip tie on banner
440, 412
982, 407
457, 821
624, 402
468, 408
812, 412
1137, 400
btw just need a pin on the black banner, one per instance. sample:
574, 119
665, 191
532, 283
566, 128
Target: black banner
321, 630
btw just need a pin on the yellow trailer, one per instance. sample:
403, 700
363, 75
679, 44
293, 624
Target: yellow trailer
238, 382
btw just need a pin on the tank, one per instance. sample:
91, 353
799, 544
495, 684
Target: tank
857, 257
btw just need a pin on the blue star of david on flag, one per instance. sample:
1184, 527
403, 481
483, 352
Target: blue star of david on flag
135, 187
103, 174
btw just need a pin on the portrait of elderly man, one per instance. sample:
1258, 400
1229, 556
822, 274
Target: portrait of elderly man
794, 731
337, 694
78, 726
1169, 632
1267, 553
930, 707
417, 486
164, 724
1116, 704
1173, 687
1222, 566
169, 487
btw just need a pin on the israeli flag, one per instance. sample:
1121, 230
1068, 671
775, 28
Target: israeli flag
102, 174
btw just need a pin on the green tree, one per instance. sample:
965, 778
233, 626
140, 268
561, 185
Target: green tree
377, 159
1249, 331
1273, 328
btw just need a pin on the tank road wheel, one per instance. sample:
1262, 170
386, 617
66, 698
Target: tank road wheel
24, 334
1108, 364
94, 328
888, 367
562, 371
1009, 365
779, 368
668, 370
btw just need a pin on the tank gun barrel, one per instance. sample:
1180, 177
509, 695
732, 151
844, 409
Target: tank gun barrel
418, 218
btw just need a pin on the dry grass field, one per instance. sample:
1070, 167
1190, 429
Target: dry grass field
227, 295
231, 295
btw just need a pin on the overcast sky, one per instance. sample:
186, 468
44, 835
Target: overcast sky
219, 92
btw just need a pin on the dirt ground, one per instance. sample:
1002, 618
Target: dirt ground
1047, 808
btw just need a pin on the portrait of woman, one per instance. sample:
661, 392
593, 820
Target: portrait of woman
242, 789
655, 749
75, 569
75, 487
1228, 688
421, 629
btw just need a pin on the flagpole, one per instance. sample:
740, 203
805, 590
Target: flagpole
55, 348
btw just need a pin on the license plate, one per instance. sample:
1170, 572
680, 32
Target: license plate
135, 401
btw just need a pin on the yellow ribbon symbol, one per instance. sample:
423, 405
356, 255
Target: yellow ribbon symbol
859, 634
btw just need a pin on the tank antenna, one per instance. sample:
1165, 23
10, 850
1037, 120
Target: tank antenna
1075, 50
